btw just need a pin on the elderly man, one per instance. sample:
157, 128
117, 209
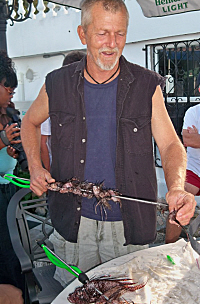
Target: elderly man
104, 111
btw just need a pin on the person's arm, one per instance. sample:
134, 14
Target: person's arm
191, 137
45, 152
173, 157
9, 294
31, 137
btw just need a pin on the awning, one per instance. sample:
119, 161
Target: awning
159, 8
70, 3
152, 8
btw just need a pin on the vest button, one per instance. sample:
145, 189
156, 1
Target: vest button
60, 125
82, 161
83, 140
135, 130
78, 209
83, 117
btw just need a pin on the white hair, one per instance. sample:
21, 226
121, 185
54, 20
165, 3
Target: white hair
109, 5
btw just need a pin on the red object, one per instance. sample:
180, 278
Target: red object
193, 179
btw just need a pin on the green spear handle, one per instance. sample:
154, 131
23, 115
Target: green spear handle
20, 182
56, 260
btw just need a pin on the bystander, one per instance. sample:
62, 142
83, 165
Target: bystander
10, 270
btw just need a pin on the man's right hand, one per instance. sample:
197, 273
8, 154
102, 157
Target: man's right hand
40, 177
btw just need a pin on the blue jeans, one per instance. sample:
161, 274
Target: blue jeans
10, 269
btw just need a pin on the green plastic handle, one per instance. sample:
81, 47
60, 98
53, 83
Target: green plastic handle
20, 182
59, 263
171, 259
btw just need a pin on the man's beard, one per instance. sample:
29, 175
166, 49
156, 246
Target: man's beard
107, 66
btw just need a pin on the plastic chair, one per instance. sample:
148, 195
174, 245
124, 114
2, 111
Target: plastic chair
25, 227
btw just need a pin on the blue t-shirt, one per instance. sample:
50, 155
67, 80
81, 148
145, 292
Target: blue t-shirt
100, 107
7, 165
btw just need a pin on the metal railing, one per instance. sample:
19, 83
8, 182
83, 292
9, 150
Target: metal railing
179, 62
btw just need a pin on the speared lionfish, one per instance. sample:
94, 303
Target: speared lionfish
89, 190
111, 288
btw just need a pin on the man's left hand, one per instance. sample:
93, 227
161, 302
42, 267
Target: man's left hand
183, 202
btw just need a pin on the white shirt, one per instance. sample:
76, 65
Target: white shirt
192, 117
46, 130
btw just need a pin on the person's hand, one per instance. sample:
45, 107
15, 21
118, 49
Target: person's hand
192, 130
12, 152
183, 202
39, 179
12, 131
10, 294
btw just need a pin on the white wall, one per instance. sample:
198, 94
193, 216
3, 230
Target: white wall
28, 41
44, 35
31, 73
58, 33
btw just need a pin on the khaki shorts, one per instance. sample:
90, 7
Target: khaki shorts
98, 242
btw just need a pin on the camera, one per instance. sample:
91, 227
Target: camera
15, 118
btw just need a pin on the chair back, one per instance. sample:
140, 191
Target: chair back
26, 227
26, 224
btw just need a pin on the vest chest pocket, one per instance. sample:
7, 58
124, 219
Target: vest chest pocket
63, 129
137, 136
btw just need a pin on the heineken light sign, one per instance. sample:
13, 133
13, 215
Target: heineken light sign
156, 8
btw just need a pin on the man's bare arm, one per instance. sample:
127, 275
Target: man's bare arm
173, 157
172, 152
31, 137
